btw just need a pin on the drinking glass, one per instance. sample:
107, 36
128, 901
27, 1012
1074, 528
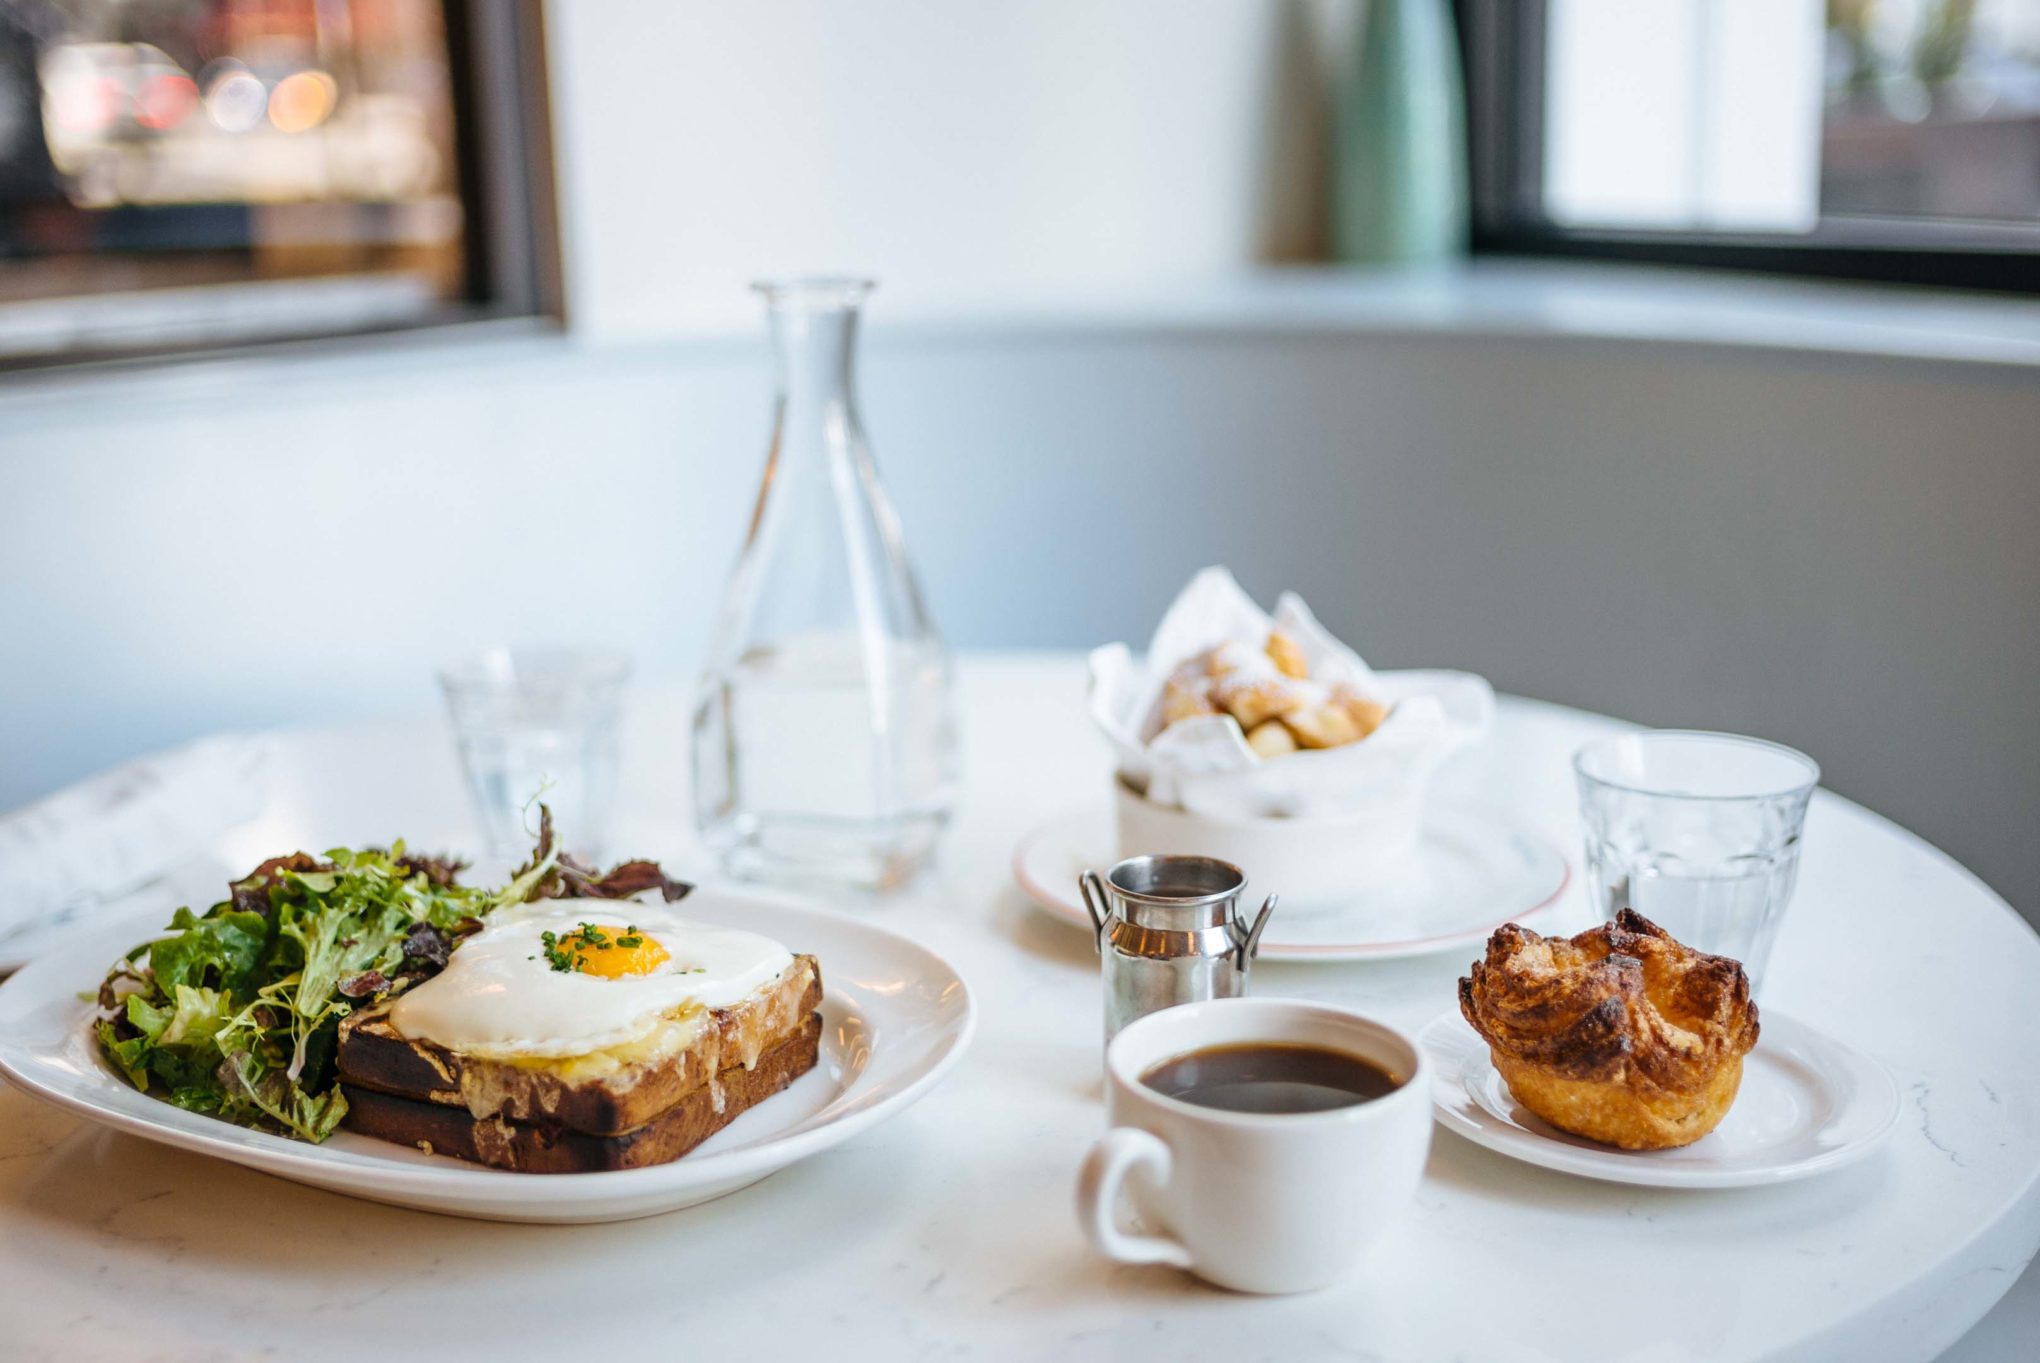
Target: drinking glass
1698, 832
538, 724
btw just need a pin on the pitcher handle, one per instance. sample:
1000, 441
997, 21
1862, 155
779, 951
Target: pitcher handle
1251, 947
1085, 882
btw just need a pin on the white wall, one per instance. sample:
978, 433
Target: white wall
1833, 553
967, 155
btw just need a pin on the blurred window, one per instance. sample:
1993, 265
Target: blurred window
1895, 139
178, 174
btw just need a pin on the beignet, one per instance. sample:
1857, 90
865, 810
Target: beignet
1620, 1034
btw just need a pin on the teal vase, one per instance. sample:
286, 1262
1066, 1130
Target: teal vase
1399, 146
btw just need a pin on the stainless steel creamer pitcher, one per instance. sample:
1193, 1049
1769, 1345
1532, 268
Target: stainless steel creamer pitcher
1169, 932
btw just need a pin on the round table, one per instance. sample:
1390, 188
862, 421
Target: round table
950, 1231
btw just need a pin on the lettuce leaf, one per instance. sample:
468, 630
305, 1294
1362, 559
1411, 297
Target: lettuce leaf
237, 1011
220, 951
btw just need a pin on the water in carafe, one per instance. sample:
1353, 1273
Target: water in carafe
824, 738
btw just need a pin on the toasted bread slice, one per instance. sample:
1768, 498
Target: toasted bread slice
542, 1148
605, 1094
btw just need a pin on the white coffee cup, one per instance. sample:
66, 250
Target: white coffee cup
1257, 1202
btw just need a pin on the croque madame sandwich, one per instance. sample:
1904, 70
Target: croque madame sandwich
554, 1024
574, 1035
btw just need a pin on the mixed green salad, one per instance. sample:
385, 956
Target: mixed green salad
236, 1012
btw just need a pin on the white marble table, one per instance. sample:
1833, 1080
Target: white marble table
949, 1232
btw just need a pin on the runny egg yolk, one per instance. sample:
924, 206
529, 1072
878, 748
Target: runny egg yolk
612, 952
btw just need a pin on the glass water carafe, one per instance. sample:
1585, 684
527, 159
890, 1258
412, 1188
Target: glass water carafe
824, 739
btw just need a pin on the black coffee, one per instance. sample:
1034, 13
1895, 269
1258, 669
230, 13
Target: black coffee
1271, 1077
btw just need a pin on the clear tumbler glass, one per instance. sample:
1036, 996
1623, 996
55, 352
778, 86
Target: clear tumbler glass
538, 724
824, 740
1698, 832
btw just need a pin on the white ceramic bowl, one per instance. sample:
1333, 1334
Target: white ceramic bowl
1313, 863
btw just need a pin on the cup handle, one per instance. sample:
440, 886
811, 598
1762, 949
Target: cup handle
1116, 1154
1090, 885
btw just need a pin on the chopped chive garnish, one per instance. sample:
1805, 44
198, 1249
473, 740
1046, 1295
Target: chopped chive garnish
559, 956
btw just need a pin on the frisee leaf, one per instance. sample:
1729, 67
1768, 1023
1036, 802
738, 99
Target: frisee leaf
237, 1010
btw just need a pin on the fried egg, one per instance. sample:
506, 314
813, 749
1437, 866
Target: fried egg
569, 977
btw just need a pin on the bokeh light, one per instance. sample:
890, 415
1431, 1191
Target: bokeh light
236, 101
302, 101
164, 101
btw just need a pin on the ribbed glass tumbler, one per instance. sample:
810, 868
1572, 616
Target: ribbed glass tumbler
1698, 832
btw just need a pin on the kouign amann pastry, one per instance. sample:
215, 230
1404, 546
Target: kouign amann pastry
1620, 1034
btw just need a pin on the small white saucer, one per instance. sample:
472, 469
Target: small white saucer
1807, 1104
1474, 872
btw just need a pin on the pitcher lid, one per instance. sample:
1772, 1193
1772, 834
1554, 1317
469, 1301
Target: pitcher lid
1176, 892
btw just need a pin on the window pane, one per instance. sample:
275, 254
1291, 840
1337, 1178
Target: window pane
1933, 109
261, 167
1788, 116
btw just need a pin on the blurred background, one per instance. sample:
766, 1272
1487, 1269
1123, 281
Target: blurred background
344, 336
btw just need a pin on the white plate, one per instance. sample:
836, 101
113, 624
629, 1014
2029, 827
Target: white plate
895, 1018
1474, 872
1807, 1104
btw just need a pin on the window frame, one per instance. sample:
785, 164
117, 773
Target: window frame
496, 58
1502, 46
501, 96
